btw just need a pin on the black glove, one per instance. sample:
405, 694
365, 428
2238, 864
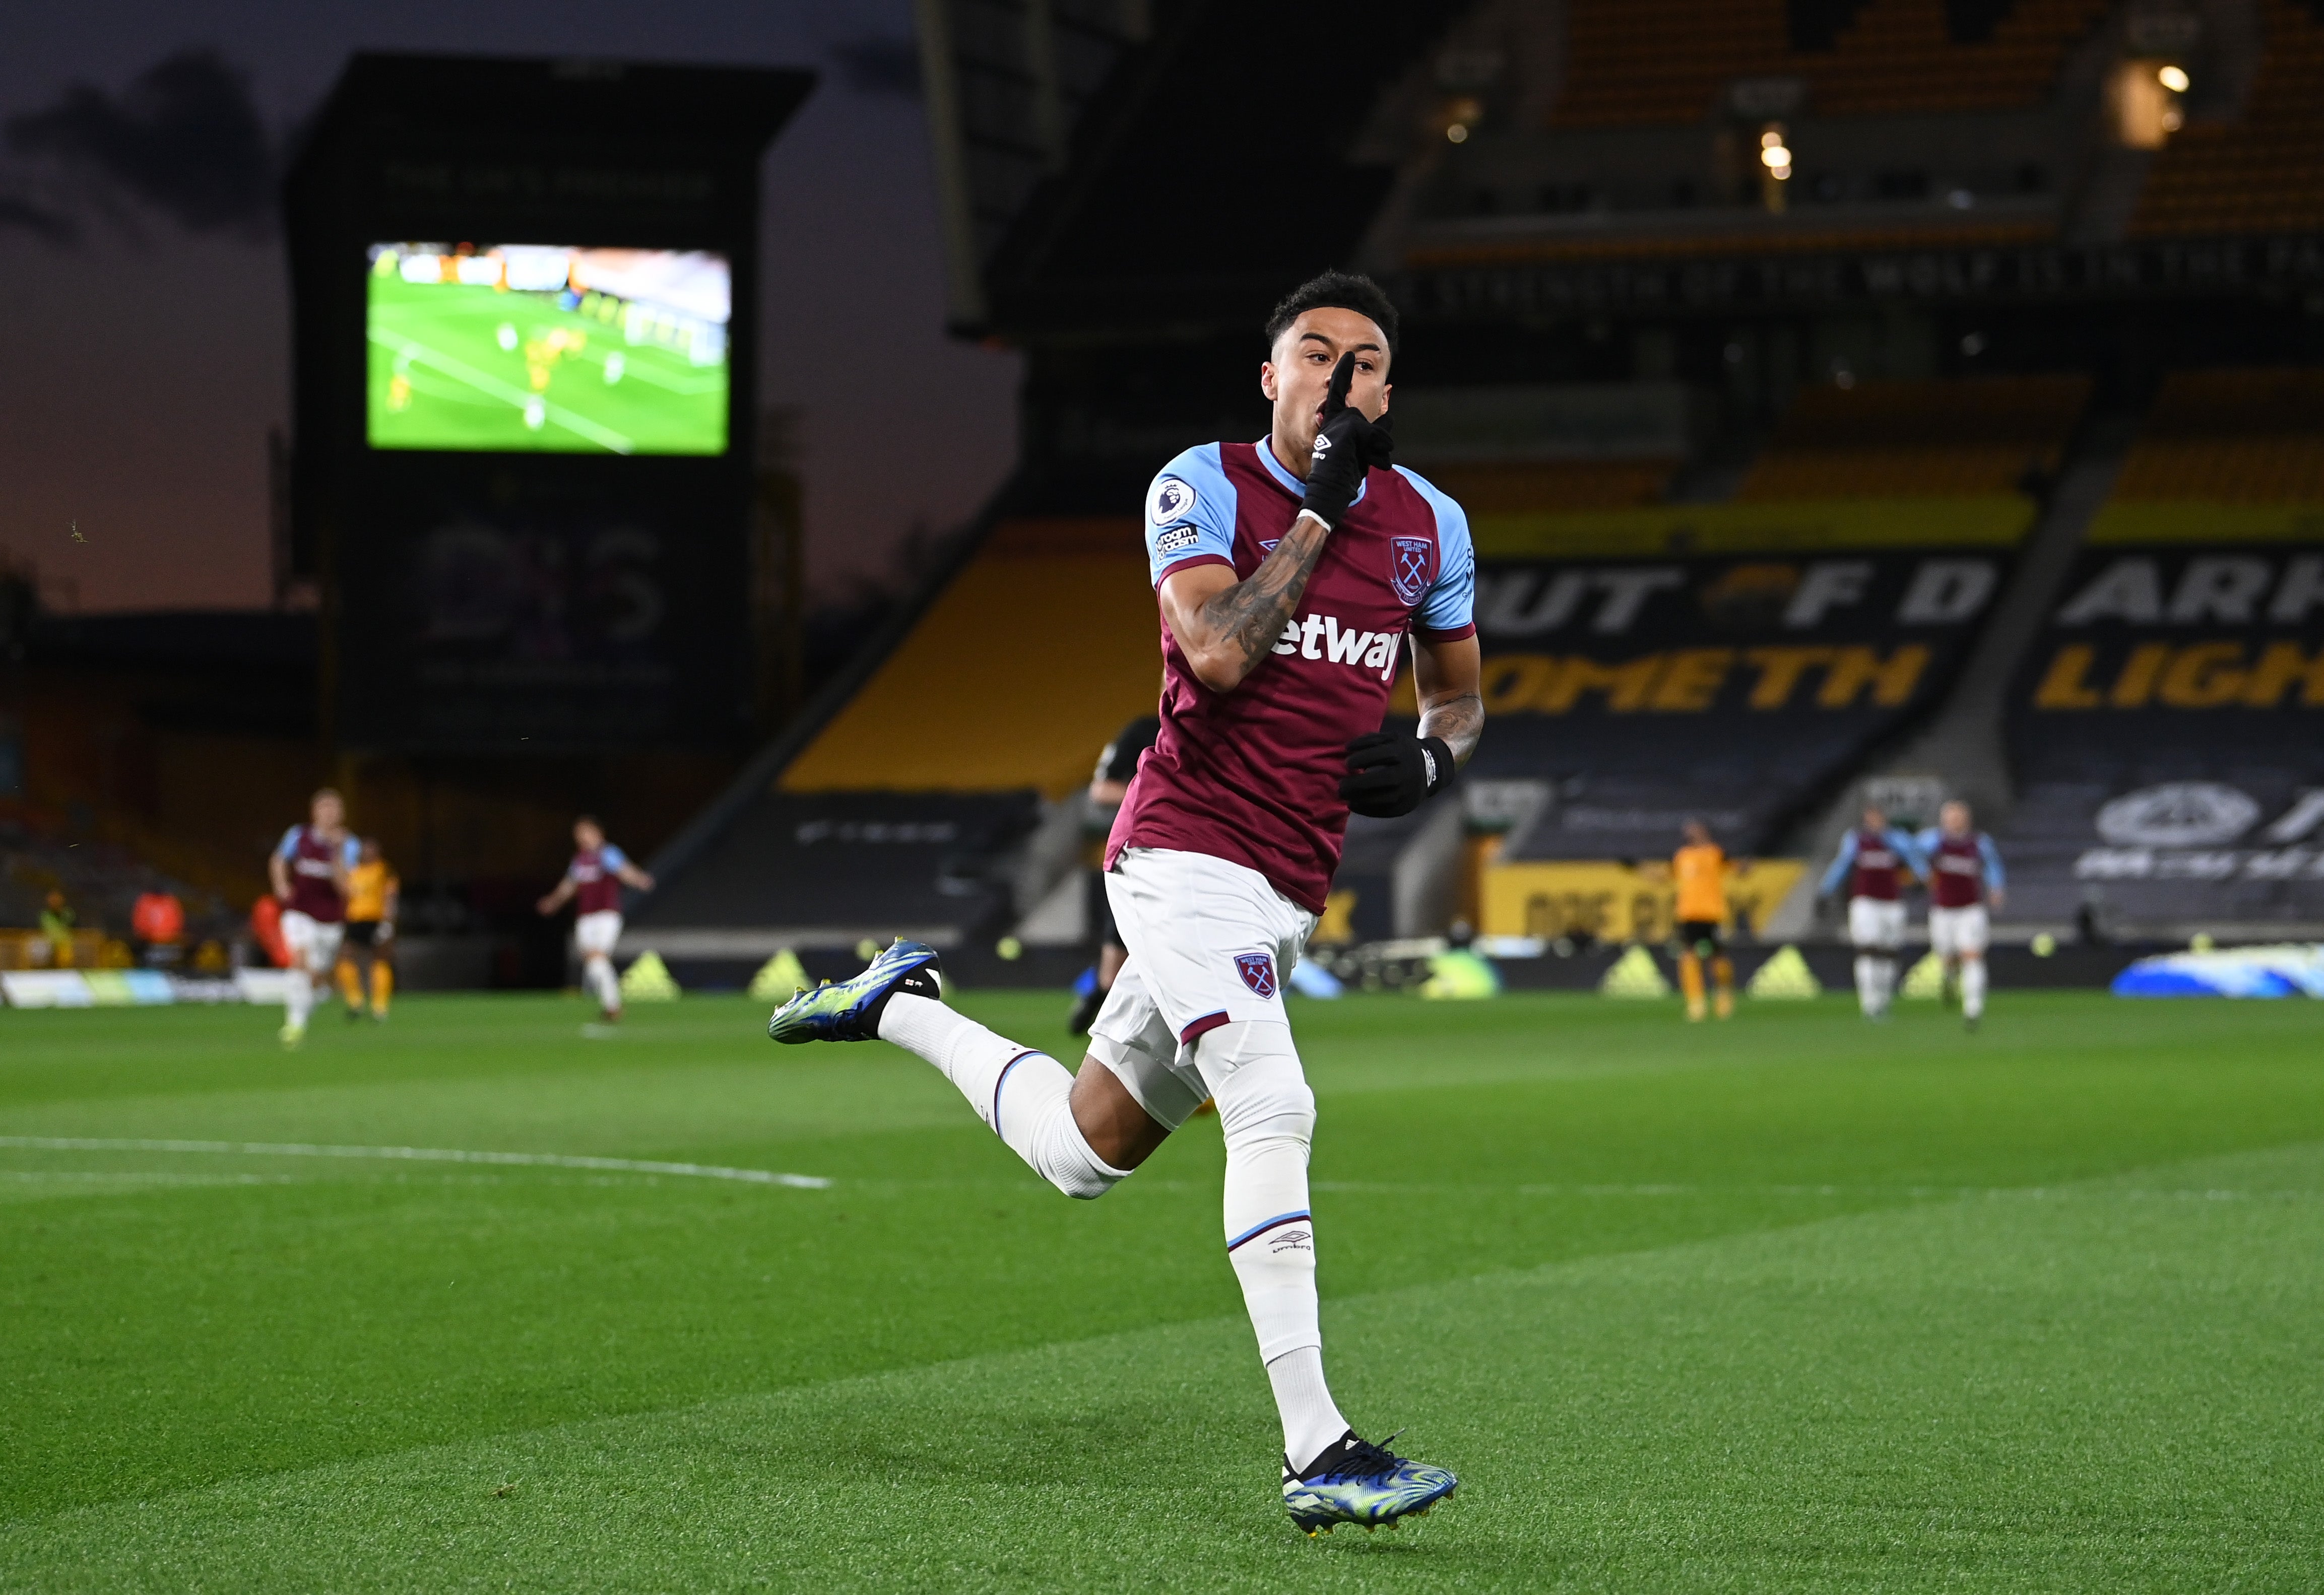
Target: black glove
1347, 444
1389, 772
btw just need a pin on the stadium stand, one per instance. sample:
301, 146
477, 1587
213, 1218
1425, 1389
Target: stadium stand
1939, 439
2231, 437
2165, 725
1644, 61
1746, 520
2262, 171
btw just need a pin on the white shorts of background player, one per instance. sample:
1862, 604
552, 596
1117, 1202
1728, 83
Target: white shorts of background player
1185, 918
595, 934
1955, 931
314, 943
1876, 925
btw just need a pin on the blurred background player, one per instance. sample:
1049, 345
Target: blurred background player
1873, 860
366, 958
309, 874
593, 883
1700, 868
1964, 877
1107, 788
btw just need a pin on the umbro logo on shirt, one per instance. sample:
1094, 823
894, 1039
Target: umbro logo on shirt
1323, 637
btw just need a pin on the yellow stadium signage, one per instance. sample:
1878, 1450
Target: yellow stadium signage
1611, 901
1693, 680
2204, 675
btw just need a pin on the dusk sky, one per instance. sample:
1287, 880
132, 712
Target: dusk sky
145, 343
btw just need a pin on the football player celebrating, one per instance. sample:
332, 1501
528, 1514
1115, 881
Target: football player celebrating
1699, 870
594, 877
1964, 879
1291, 574
1874, 861
308, 872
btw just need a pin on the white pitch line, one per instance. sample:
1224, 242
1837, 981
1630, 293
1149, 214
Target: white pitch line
700, 1171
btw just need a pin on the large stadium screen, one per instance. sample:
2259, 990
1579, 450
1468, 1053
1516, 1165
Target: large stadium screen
548, 347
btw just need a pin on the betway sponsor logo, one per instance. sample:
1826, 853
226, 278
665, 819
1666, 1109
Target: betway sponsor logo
1323, 637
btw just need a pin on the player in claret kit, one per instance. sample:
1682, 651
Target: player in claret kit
309, 875
1290, 572
1965, 878
1874, 861
593, 883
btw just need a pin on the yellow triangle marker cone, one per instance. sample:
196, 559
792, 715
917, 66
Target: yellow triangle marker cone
1634, 974
779, 978
1786, 977
649, 980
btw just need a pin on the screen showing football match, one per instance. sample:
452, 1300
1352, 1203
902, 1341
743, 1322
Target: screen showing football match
549, 348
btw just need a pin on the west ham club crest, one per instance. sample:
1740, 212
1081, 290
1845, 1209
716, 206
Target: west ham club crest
1258, 970
1409, 561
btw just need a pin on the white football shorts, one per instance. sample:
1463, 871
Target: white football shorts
1955, 931
314, 943
1876, 925
1211, 942
596, 933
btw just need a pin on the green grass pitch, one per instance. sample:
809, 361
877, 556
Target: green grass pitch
470, 367
1788, 1303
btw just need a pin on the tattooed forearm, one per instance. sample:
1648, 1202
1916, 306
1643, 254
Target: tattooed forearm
1459, 719
1251, 613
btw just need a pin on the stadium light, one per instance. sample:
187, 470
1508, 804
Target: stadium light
2174, 79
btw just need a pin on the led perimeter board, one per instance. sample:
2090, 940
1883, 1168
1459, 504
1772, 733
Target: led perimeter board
523, 385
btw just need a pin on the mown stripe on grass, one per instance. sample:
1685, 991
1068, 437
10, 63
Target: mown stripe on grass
700, 1171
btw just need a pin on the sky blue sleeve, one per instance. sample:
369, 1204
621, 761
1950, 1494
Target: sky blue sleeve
351, 853
1840, 865
1910, 851
1190, 513
612, 857
1449, 609
1926, 839
289, 848
1993, 879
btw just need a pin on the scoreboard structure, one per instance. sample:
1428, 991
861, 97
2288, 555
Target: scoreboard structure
524, 400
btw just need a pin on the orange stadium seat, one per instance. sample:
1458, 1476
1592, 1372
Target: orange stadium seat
1061, 602
1633, 63
2263, 172
1516, 488
2231, 437
1959, 438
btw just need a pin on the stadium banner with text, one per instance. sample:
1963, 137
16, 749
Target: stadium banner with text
1732, 688
2167, 728
1608, 900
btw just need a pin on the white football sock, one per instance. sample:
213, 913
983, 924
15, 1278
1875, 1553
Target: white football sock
1972, 987
1868, 983
300, 999
1023, 1096
1311, 1418
597, 972
1268, 1116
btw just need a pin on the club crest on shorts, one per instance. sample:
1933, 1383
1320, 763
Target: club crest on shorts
1408, 562
1257, 971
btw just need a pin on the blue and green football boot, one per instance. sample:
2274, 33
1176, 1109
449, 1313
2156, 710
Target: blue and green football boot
850, 1010
1356, 1481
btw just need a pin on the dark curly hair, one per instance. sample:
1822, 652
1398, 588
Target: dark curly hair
1336, 291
